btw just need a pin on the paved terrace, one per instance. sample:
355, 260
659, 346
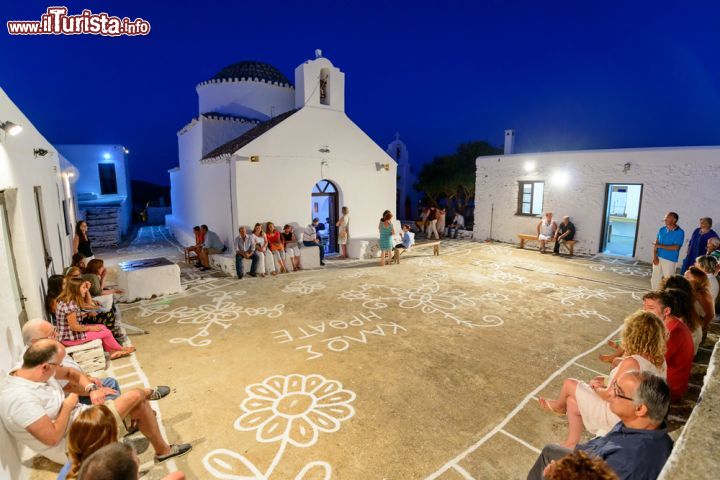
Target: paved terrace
428, 369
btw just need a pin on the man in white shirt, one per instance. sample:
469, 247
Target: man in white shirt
245, 248
35, 411
457, 223
310, 239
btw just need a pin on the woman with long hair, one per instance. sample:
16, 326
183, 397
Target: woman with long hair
277, 249
81, 242
683, 293
95, 273
387, 232
343, 226
704, 303
266, 262
69, 315
92, 429
586, 404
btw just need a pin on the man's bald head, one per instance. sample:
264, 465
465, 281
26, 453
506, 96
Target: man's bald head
42, 351
37, 329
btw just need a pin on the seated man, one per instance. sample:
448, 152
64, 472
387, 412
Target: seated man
35, 411
546, 230
638, 446
245, 249
210, 246
564, 232
680, 350
457, 223
408, 240
310, 238
199, 239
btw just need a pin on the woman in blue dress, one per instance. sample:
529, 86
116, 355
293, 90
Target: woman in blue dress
387, 232
698, 242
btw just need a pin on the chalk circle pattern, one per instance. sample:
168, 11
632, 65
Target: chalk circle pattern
289, 410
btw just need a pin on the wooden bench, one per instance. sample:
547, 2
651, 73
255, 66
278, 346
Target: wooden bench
524, 237
400, 251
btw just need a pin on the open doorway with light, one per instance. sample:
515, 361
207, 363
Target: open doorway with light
324, 207
622, 214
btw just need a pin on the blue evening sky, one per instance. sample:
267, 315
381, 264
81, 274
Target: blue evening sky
566, 75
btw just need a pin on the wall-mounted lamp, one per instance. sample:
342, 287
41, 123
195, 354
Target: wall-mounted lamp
71, 175
560, 178
254, 158
529, 166
11, 128
324, 149
40, 152
379, 166
106, 156
626, 167
125, 151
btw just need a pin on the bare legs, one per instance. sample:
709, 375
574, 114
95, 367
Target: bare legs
383, 255
565, 402
134, 404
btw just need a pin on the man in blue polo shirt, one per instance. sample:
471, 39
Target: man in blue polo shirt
669, 240
638, 446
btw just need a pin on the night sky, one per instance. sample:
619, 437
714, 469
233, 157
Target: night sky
566, 75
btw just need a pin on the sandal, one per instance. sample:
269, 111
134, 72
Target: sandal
543, 402
125, 352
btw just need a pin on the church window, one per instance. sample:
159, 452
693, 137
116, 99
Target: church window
324, 86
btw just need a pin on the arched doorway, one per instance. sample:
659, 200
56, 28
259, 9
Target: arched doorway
324, 207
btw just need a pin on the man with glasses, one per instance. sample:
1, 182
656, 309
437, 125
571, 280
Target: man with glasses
638, 446
36, 412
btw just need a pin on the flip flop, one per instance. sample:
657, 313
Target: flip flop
546, 407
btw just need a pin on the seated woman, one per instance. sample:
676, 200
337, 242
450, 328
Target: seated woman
69, 314
55, 288
95, 273
643, 340
93, 428
709, 265
266, 263
276, 245
292, 248
704, 303
102, 315
683, 293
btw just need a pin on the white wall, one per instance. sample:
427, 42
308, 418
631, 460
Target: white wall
246, 98
681, 179
20, 171
86, 158
218, 132
307, 91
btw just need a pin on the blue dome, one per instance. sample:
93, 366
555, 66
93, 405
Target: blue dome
252, 70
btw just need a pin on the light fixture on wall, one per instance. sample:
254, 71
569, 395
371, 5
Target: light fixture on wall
10, 128
324, 149
126, 151
380, 166
106, 156
40, 152
560, 178
626, 167
529, 166
254, 158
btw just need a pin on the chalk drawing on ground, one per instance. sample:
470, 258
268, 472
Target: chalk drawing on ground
306, 286
222, 311
289, 410
427, 297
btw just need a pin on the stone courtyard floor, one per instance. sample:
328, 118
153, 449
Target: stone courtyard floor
427, 369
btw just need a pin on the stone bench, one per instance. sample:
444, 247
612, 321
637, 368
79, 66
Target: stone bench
399, 251
568, 244
148, 278
90, 356
309, 259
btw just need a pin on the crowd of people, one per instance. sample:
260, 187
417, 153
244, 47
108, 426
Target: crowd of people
49, 404
433, 223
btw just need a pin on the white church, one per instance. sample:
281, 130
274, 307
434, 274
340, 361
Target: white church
263, 149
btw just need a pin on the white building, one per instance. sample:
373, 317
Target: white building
36, 228
103, 190
407, 197
263, 150
616, 198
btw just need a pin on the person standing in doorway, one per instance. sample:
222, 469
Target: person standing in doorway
343, 231
81, 242
667, 245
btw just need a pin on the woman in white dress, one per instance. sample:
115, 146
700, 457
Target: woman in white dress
267, 262
586, 404
343, 226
